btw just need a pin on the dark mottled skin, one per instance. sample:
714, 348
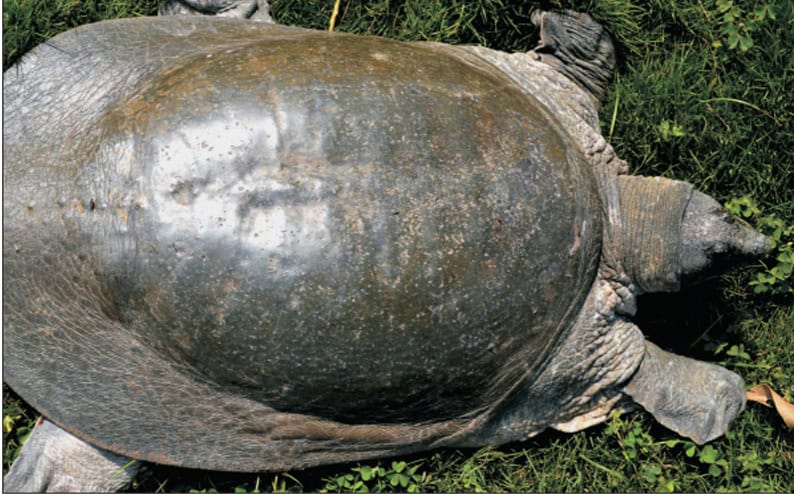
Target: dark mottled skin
233, 224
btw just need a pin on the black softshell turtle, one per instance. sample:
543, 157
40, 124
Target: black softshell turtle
234, 245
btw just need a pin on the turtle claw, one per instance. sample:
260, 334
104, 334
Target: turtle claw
53, 460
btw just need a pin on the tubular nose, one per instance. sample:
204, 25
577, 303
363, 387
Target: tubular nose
750, 242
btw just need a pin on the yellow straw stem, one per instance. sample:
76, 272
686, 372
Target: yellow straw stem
333, 15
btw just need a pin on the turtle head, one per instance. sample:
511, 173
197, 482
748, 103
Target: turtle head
578, 47
670, 232
711, 236
257, 10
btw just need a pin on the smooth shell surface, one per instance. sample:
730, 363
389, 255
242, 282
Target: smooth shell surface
347, 227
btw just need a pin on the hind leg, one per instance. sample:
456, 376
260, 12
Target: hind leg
52, 460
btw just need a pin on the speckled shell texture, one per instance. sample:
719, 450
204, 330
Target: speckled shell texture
213, 216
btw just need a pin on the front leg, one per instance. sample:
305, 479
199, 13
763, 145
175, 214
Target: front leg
52, 460
257, 10
696, 399
578, 47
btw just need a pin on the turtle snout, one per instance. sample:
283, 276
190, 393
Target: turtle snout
748, 242
712, 237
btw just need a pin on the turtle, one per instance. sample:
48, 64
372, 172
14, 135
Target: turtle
240, 246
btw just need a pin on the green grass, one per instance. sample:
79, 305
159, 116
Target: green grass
693, 100
26, 23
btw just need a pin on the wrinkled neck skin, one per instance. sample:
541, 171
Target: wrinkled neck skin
671, 232
652, 211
